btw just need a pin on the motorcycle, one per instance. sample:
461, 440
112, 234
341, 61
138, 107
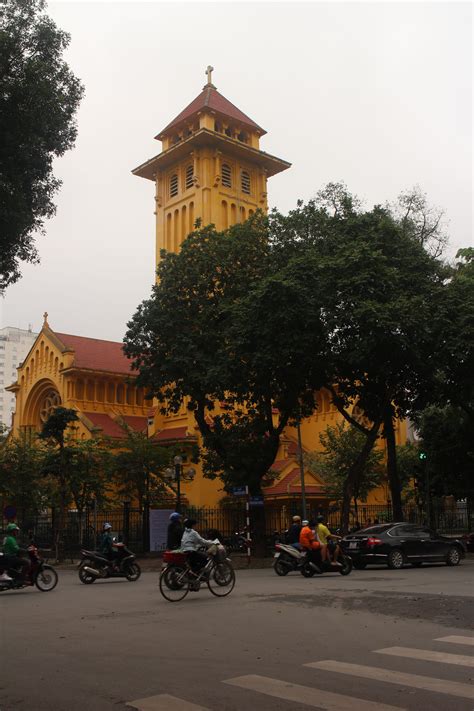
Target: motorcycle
289, 558
40, 574
94, 565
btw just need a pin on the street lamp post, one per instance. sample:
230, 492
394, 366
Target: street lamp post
301, 462
179, 475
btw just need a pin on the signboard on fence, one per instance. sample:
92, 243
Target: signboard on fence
239, 490
159, 520
256, 501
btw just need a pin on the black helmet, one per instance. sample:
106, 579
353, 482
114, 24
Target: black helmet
320, 519
189, 522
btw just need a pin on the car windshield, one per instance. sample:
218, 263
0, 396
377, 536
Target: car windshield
376, 529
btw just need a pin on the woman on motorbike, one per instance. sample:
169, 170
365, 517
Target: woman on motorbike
191, 542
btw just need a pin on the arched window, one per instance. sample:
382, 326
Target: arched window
110, 392
189, 182
174, 185
245, 182
119, 395
226, 175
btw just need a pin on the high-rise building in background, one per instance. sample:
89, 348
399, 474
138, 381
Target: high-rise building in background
14, 346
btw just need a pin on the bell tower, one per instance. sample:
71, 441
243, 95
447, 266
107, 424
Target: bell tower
210, 167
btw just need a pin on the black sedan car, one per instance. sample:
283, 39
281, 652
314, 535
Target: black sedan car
398, 543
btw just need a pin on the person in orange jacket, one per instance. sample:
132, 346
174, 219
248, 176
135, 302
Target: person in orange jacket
310, 544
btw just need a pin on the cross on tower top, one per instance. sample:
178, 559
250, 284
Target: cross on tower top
45, 317
209, 71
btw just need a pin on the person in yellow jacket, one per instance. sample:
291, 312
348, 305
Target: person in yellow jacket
324, 536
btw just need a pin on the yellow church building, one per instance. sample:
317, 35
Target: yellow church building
210, 167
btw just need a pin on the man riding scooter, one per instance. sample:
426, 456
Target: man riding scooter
11, 551
328, 542
309, 543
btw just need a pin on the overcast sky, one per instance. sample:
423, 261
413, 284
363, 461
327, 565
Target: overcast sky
378, 95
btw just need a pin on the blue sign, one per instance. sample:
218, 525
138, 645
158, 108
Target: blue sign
256, 501
239, 490
9, 512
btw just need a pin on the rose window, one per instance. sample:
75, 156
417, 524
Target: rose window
50, 402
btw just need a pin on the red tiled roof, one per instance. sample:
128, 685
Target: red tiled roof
211, 99
291, 484
111, 428
94, 354
172, 434
279, 465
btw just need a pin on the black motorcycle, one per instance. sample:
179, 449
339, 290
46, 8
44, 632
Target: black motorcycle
94, 565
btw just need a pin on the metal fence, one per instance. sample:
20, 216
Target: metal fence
83, 530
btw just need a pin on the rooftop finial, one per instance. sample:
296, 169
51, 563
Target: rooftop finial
45, 317
209, 71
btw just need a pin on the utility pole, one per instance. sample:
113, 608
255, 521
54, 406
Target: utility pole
300, 457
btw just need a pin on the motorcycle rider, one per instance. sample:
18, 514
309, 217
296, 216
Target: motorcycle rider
325, 536
11, 551
107, 545
175, 531
293, 533
310, 544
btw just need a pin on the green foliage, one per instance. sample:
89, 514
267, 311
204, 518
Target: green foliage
21, 479
408, 463
342, 445
54, 429
447, 437
40, 96
137, 464
233, 319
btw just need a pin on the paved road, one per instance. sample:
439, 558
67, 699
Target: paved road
377, 640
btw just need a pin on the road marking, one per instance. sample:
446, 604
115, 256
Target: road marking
164, 702
306, 694
427, 683
424, 654
456, 639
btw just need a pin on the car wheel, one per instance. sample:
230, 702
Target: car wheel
454, 556
360, 566
395, 559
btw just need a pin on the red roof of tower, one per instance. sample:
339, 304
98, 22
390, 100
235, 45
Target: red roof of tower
94, 354
211, 99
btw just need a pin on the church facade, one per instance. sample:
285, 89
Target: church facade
211, 167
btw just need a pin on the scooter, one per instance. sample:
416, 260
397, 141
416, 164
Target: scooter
288, 558
40, 574
94, 565
345, 566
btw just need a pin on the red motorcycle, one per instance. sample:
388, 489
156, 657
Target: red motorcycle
40, 574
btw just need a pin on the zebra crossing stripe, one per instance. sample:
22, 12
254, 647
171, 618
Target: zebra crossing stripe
427, 683
164, 702
306, 694
456, 639
428, 656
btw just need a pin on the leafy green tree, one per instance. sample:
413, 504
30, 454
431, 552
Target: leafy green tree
137, 465
341, 447
381, 291
21, 480
40, 96
447, 438
59, 463
233, 320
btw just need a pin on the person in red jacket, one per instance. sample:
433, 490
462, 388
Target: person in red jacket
310, 544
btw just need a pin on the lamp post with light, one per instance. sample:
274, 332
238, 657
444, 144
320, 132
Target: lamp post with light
178, 474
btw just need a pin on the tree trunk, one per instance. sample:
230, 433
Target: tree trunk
392, 469
354, 474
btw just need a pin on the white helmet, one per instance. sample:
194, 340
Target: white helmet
107, 526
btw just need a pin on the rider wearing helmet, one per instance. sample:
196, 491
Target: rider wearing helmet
293, 533
107, 542
325, 536
11, 551
175, 531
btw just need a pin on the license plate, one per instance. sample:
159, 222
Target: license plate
353, 544
276, 555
